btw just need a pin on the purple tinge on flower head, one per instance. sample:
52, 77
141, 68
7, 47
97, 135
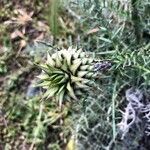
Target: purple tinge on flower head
101, 66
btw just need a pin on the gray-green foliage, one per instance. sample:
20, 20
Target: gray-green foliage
94, 128
122, 38
118, 22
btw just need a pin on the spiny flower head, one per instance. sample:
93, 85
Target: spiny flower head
65, 73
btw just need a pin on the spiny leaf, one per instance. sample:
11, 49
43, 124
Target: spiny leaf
60, 72
82, 73
43, 84
64, 79
61, 89
52, 77
76, 79
58, 60
77, 53
67, 56
58, 78
75, 66
65, 66
81, 85
71, 91
84, 67
89, 74
50, 61
43, 76
61, 97
51, 92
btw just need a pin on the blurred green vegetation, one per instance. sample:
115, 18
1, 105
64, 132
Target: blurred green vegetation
116, 31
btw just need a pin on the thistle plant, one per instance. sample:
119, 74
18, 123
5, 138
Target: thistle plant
66, 73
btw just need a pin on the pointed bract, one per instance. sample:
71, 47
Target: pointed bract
65, 73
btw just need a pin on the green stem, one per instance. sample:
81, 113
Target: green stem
113, 109
136, 21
